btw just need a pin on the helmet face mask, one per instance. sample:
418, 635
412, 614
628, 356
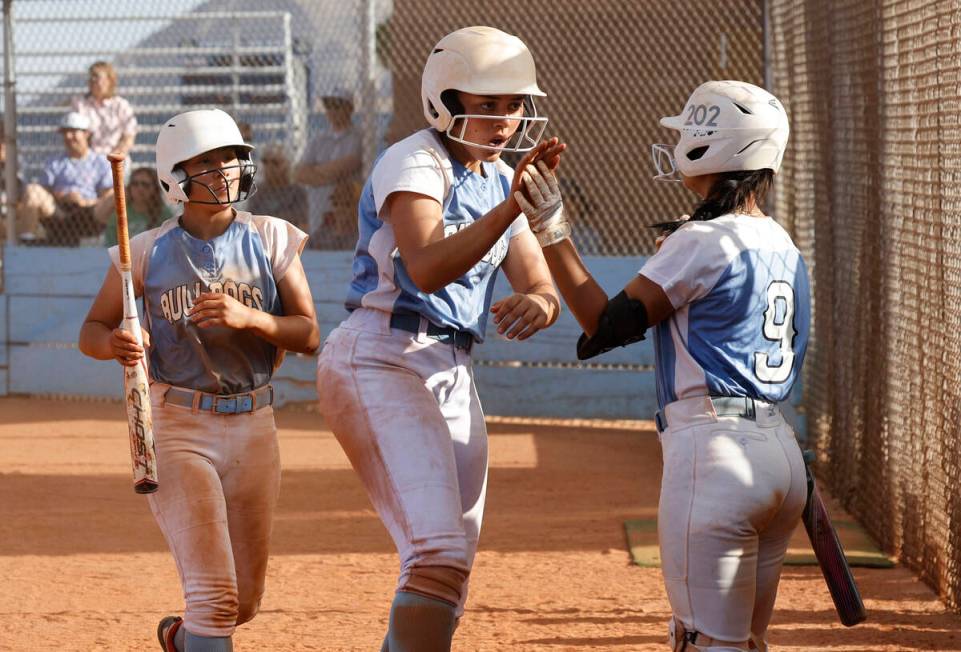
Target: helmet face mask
727, 126
482, 61
244, 183
524, 138
664, 163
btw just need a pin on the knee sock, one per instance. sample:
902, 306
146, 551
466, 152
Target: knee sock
420, 624
179, 638
208, 643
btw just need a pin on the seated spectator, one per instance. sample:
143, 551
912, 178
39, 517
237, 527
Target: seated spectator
113, 126
62, 205
146, 208
276, 195
330, 167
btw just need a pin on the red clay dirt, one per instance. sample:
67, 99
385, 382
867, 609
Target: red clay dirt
84, 567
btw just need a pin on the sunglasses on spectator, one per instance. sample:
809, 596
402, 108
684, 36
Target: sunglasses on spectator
142, 184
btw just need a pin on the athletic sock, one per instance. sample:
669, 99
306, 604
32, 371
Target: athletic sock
419, 624
208, 643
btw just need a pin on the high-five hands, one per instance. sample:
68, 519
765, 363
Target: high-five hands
548, 152
545, 210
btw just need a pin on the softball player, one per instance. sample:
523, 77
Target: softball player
395, 385
729, 294
224, 295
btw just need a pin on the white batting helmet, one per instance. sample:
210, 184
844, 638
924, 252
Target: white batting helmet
186, 135
481, 61
725, 126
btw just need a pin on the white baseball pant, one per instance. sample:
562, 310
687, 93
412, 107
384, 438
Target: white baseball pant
404, 408
732, 493
219, 483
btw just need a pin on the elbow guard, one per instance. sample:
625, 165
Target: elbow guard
623, 322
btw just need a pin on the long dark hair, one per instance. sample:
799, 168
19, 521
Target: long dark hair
732, 191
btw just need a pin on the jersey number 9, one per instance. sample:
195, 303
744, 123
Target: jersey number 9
777, 328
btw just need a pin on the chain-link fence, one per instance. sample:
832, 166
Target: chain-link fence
289, 72
611, 70
871, 185
324, 85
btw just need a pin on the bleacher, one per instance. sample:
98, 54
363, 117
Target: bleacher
251, 69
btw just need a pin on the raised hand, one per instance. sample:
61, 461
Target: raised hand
546, 205
545, 210
549, 152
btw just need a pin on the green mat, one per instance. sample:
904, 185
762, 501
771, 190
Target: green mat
858, 546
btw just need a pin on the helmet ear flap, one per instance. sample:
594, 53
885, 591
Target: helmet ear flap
451, 102
247, 173
246, 180
181, 177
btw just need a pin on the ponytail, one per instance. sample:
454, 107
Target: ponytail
732, 192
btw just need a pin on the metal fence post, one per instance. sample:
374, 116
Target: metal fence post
10, 123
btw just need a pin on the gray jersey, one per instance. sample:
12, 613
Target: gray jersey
326, 147
171, 268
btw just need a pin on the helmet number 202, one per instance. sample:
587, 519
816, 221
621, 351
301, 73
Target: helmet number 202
778, 327
702, 115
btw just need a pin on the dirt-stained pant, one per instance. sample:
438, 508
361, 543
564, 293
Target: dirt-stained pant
404, 408
732, 493
219, 482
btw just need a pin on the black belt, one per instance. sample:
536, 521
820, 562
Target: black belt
724, 406
221, 403
411, 324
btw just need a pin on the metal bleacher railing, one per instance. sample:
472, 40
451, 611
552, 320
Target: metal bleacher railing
252, 69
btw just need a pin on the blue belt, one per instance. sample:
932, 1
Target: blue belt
411, 324
221, 403
724, 406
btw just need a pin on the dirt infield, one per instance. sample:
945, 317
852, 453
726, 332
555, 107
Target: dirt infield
84, 567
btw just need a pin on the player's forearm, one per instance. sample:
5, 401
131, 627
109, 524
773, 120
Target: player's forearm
582, 294
94, 340
440, 263
297, 333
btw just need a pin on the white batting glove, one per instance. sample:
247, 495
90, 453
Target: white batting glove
546, 214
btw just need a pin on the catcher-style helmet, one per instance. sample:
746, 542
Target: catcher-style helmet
189, 134
482, 61
725, 126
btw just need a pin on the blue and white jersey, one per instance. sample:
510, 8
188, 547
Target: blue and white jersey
421, 164
742, 304
171, 268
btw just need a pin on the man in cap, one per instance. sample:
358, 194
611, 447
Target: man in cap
62, 204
